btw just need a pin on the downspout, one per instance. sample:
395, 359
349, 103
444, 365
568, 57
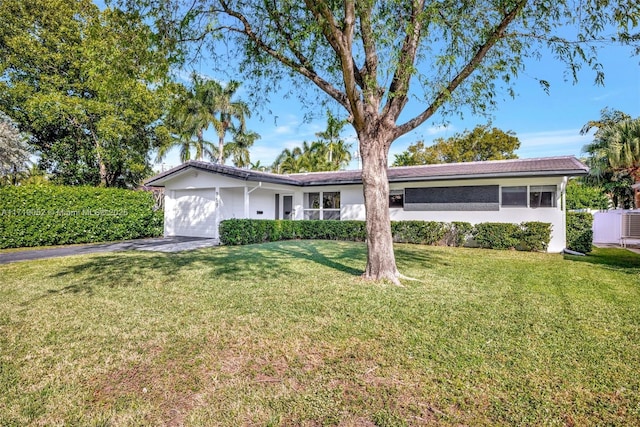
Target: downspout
255, 188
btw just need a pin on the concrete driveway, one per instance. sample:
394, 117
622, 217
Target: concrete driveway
159, 244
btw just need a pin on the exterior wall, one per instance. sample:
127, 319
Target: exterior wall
352, 206
262, 201
232, 203
204, 199
192, 179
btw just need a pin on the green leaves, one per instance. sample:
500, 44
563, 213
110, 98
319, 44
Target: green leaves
580, 231
87, 84
55, 215
481, 143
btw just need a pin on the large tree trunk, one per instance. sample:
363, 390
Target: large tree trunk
381, 262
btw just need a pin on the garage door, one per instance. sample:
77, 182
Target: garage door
194, 214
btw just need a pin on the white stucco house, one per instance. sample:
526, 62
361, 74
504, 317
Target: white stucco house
198, 195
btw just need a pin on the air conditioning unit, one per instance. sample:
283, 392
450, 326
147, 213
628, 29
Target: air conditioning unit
630, 226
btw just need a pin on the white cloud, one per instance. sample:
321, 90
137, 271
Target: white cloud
552, 143
436, 130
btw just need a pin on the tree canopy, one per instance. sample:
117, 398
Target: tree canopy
482, 143
86, 84
582, 196
208, 103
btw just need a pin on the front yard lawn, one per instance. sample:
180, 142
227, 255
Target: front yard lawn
286, 333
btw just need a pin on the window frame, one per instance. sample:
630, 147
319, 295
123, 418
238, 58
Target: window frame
530, 191
525, 196
324, 198
542, 190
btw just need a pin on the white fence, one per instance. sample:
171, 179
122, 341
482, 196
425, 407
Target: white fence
620, 227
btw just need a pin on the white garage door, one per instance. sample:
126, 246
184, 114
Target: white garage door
194, 214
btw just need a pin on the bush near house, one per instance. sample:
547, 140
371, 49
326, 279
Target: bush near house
420, 232
58, 215
248, 231
530, 236
580, 231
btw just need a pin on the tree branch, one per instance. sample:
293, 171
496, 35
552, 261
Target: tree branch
247, 30
341, 41
370, 68
399, 87
497, 33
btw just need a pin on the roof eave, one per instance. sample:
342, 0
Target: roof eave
572, 172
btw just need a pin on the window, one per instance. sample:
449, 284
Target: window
331, 205
542, 196
534, 196
457, 198
514, 196
396, 199
329, 209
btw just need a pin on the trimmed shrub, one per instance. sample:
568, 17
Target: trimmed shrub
57, 215
421, 232
497, 235
532, 236
535, 236
248, 231
580, 231
457, 234
528, 236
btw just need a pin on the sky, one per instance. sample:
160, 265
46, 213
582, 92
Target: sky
547, 124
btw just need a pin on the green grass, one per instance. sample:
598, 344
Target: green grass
288, 334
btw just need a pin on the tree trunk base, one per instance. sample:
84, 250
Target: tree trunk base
394, 278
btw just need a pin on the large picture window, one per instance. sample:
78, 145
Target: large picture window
328, 209
458, 198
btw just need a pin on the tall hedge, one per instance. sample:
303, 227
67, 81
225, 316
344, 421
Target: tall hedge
57, 215
580, 231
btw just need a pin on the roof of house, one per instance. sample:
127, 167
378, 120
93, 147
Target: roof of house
545, 166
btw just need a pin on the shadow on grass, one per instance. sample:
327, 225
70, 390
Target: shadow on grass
237, 263
335, 255
415, 255
619, 259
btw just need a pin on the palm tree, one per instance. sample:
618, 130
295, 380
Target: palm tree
338, 153
225, 111
238, 149
615, 153
190, 115
288, 161
607, 118
257, 166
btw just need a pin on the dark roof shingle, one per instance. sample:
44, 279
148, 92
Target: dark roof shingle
545, 166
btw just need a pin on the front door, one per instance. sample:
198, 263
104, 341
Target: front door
287, 207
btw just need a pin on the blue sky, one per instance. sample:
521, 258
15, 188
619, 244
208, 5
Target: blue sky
546, 124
